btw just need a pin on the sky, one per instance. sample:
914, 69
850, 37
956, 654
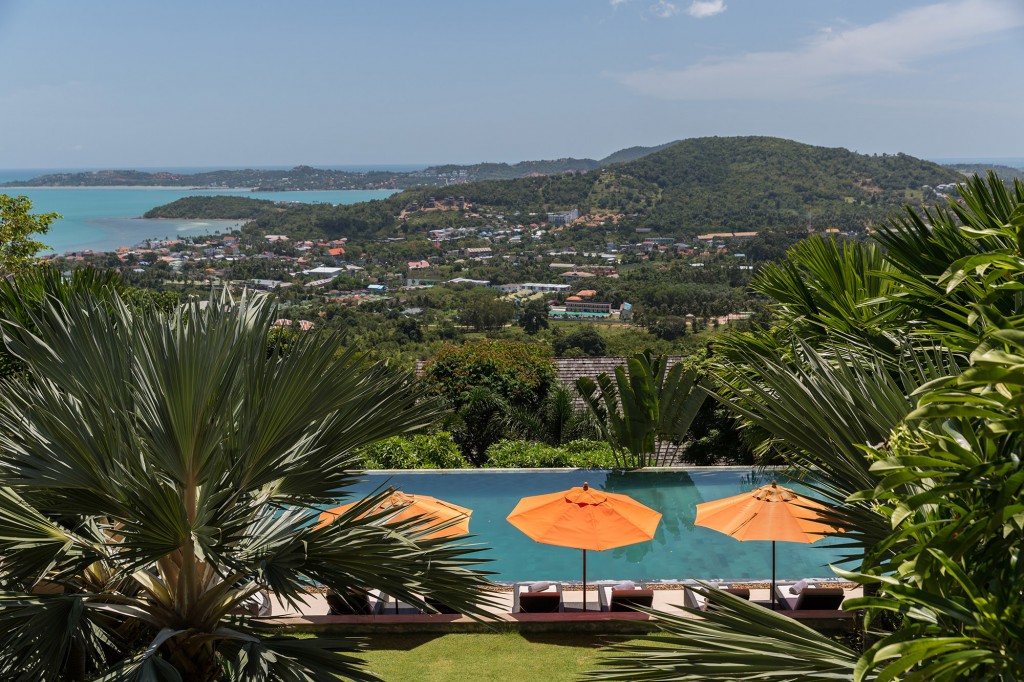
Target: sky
119, 84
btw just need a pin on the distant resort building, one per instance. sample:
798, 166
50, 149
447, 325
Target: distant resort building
563, 217
544, 288
479, 252
581, 306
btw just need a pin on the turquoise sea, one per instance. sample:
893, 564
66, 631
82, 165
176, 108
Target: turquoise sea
102, 219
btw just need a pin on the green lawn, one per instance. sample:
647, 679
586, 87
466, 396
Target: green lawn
500, 657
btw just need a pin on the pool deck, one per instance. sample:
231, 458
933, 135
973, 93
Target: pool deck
667, 598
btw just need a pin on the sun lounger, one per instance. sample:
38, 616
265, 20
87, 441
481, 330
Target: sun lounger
810, 598
354, 603
693, 600
623, 596
537, 597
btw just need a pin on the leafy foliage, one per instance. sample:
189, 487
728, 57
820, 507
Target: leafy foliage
584, 454
25, 295
534, 316
907, 407
556, 421
518, 372
582, 342
160, 469
422, 451
17, 246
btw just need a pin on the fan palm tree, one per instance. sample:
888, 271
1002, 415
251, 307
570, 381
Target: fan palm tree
159, 469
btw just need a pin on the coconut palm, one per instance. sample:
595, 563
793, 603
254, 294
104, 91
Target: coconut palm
905, 406
158, 470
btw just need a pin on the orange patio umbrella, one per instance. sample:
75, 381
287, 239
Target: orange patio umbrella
406, 506
767, 513
585, 518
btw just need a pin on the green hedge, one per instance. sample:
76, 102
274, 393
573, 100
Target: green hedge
584, 454
430, 451
439, 451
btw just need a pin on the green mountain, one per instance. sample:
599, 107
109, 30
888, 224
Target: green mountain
683, 189
632, 154
729, 183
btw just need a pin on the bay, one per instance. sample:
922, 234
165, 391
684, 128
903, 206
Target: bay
105, 218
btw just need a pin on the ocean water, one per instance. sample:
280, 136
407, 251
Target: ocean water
105, 218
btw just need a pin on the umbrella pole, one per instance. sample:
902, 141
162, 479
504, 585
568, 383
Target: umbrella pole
772, 596
584, 580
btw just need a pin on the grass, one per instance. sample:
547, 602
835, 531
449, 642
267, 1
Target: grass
483, 657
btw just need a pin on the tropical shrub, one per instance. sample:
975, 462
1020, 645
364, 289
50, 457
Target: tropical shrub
158, 470
422, 451
518, 454
482, 382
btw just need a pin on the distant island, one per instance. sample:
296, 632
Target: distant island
309, 178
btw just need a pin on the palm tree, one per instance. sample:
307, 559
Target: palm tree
647, 406
557, 421
159, 469
902, 398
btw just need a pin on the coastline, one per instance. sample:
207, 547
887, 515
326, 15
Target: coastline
179, 188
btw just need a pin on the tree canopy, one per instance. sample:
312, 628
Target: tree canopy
18, 247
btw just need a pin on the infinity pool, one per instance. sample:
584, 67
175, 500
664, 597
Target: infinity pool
679, 550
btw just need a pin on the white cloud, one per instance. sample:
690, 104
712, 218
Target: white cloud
702, 9
893, 45
664, 9
617, 3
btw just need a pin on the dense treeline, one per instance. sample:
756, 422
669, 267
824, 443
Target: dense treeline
211, 207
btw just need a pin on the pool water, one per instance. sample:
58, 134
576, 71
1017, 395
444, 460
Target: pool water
678, 551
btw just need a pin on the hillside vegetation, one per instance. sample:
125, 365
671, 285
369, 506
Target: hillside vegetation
689, 187
211, 207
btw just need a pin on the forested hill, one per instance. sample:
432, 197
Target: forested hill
689, 187
208, 208
728, 183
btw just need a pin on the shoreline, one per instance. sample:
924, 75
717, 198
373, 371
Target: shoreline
177, 188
